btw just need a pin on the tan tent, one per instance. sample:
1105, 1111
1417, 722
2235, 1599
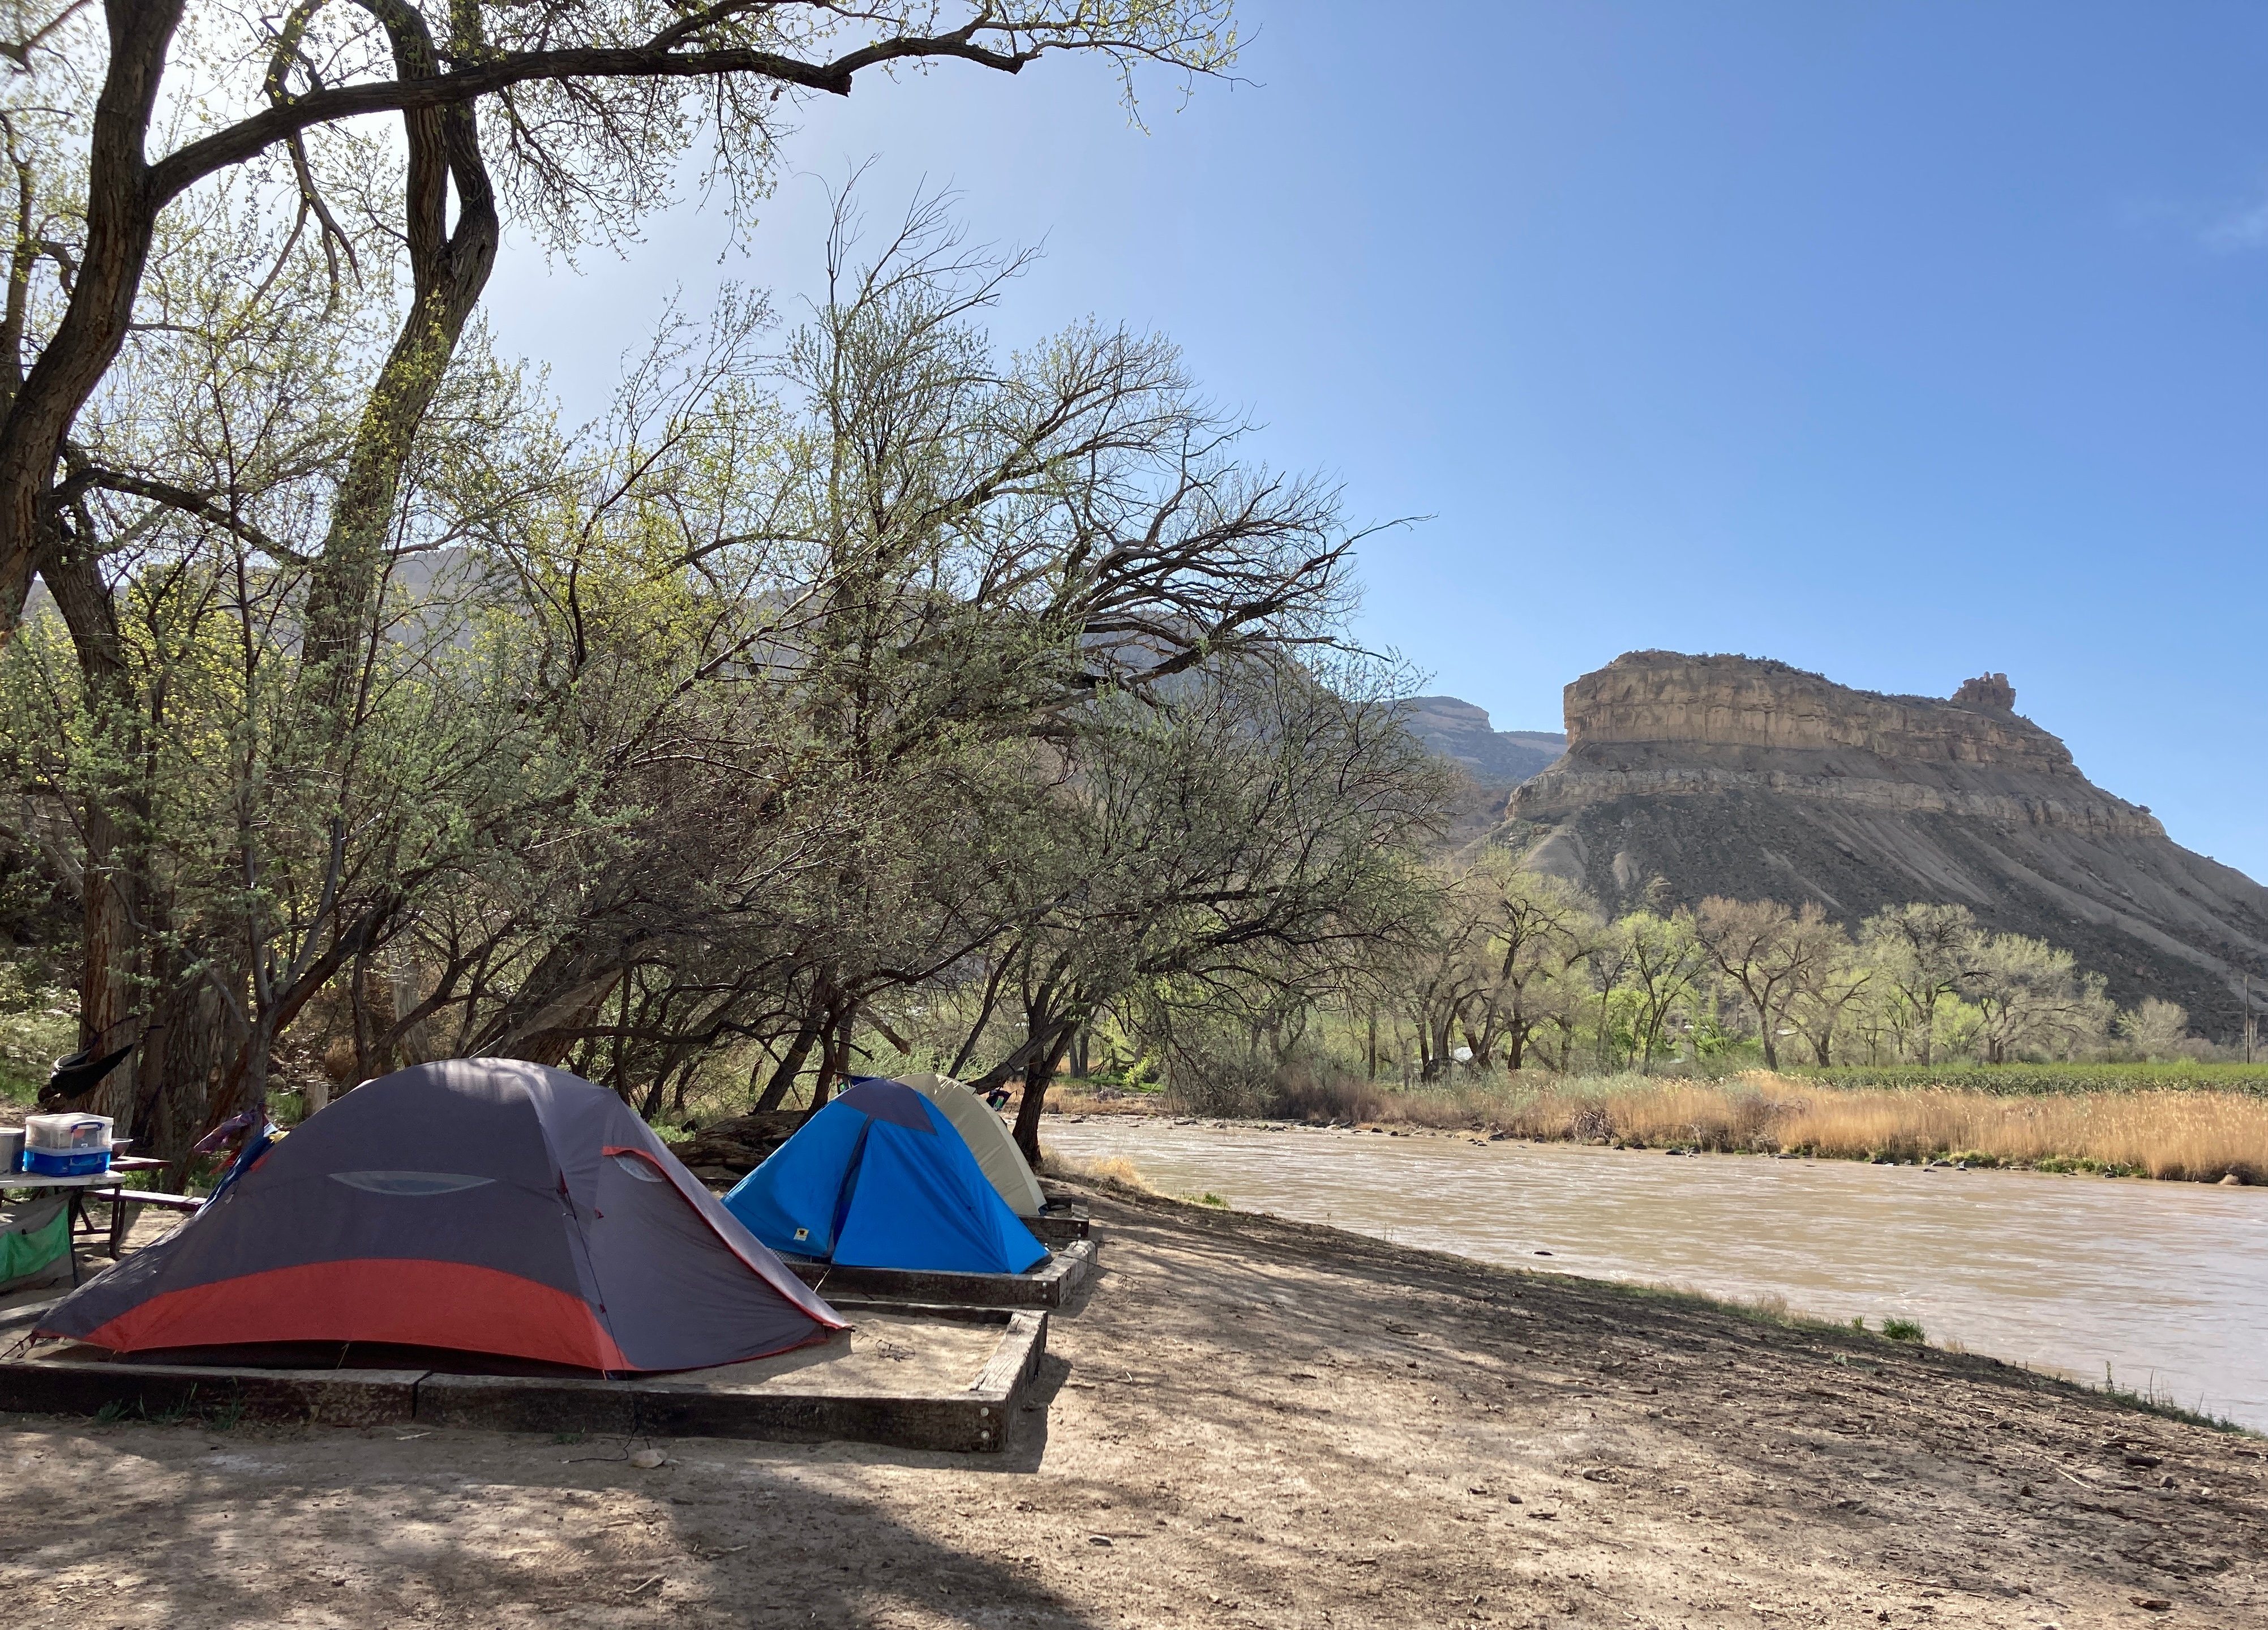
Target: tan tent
986, 1135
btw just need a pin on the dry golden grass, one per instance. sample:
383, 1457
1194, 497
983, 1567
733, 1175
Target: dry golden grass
2198, 1136
2194, 1136
1112, 1170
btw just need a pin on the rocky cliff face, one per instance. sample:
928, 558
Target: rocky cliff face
1733, 705
1656, 721
1726, 775
1459, 731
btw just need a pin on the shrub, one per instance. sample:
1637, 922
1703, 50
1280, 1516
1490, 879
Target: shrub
1226, 1085
1307, 1085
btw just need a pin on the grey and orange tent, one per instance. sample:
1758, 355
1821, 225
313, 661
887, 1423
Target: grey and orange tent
478, 1205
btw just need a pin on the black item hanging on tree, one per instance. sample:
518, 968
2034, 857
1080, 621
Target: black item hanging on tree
80, 1074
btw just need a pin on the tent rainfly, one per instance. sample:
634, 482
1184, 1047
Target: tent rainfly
483, 1206
986, 1135
879, 1179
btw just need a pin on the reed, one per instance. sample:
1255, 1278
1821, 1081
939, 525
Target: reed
2198, 1137
2184, 1133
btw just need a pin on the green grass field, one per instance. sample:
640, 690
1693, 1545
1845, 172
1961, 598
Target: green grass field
2024, 1080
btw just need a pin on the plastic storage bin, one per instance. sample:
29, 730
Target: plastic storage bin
12, 1148
67, 1132
66, 1162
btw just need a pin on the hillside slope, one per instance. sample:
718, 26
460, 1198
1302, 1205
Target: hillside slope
1728, 775
1458, 730
1494, 761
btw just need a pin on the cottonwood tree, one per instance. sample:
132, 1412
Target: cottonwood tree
761, 850
1922, 952
1560, 1007
1446, 971
1536, 930
940, 560
816, 627
1924, 982
2155, 1028
1656, 961
2030, 998
1825, 995
1226, 847
1771, 955
595, 104
233, 861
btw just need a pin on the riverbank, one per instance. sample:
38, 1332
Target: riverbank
2161, 1286
2178, 1135
1247, 1422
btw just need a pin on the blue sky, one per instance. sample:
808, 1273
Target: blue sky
1897, 342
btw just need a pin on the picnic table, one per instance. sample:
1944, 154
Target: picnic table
103, 1185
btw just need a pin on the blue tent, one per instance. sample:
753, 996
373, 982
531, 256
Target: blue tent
879, 1179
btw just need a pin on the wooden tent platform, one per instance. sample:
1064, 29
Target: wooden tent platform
907, 1376
1049, 1286
1060, 1224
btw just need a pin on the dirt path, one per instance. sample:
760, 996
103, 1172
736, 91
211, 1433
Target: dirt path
1248, 1423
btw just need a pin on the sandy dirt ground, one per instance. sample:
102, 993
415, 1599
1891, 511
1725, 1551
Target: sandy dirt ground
1243, 1422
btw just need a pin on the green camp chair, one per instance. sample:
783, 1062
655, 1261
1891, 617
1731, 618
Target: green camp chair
35, 1244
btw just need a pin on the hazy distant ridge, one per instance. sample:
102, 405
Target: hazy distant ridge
1456, 729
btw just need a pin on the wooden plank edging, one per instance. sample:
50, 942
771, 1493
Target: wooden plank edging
335, 1397
1049, 1287
973, 1420
1054, 1228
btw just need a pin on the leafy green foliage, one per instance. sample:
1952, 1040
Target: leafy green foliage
39, 1023
2024, 1080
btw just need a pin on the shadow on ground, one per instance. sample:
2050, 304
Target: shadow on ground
1239, 1422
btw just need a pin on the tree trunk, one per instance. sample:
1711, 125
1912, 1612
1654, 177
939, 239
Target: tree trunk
244, 1084
567, 986
371, 996
106, 944
1045, 1060
112, 888
985, 1010
835, 1055
791, 1064
183, 1048
1008, 1069
120, 219
448, 271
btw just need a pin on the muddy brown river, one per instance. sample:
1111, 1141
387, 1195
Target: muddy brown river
2161, 1287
